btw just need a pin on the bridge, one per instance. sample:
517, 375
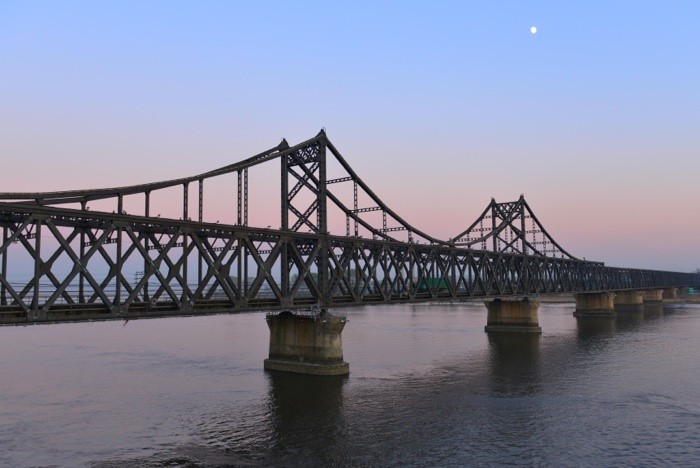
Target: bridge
102, 254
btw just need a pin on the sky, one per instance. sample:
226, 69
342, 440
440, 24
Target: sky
438, 106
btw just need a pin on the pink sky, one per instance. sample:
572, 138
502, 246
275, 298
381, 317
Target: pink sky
591, 119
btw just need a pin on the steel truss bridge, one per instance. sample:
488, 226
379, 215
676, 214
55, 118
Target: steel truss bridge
65, 257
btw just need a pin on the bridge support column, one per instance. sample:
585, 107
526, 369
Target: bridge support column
670, 293
629, 301
519, 316
306, 344
595, 305
653, 296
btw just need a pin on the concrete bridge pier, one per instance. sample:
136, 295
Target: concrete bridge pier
306, 344
513, 316
653, 296
595, 305
629, 301
670, 293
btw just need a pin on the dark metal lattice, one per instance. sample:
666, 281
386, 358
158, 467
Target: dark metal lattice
510, 227
62, 261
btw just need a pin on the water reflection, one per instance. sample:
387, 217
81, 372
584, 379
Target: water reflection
298, 402
625, 320
428, 388
653, 311
515, 362
670, 309
629, 319
591, 327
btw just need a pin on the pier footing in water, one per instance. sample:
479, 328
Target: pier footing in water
595, 305
513, 316
306, 344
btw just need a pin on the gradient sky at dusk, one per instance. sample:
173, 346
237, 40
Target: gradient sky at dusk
439, 106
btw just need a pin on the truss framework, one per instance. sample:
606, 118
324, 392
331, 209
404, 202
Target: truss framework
510, 227
78, 262
257, 269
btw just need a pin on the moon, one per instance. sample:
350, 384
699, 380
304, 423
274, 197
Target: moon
533, 29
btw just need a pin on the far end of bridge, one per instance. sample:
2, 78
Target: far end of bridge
311, 342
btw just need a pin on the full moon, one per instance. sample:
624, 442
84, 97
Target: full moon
533, 29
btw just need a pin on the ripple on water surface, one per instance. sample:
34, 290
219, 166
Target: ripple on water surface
427, 386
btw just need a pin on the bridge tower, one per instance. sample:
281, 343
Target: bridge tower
308, 343
307, 168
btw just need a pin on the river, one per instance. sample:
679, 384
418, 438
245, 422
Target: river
427, 387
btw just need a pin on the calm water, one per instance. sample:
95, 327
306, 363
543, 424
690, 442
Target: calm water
427, 387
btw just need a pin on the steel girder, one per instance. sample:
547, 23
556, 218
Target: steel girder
78, 262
